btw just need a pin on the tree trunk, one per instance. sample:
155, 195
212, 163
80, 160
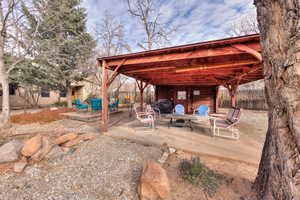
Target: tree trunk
278, 175
233, 99
69, 96
5, 100
5, 114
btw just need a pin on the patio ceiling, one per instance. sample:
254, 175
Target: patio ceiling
218, 62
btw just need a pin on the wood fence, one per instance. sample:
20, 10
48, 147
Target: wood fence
253, 99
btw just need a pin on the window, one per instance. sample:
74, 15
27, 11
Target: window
45, 92
12, 89
196, 92
63, 93
181, 95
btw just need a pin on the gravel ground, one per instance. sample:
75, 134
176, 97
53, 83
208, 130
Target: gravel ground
102, 169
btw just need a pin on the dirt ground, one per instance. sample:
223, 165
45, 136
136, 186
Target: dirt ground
44, 116
237, 183
239, 175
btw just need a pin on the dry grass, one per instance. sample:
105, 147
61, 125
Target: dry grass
44, 116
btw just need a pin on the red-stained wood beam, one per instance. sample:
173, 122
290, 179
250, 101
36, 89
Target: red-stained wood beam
104, 115
115, 73
197, 53
217, 65
240, 76
249, 50
148, 69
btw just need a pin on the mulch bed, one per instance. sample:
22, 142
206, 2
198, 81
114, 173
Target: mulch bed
44, 116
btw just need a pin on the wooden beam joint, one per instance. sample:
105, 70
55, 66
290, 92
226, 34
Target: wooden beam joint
248, 50
115, 73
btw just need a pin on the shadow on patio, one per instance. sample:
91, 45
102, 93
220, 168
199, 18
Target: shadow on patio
247, 149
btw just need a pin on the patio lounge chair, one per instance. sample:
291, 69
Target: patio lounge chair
96, 104
229, 123
179, 109
145, 118
115, 105
202, 110
79, 105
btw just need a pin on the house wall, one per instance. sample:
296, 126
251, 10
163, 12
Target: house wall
207, 96
17, 100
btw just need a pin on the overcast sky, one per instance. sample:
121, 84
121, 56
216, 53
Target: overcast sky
199, 20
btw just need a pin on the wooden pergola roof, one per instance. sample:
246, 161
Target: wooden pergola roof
218, 62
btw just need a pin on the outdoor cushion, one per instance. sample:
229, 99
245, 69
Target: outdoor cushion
96, 104
79, 105
202, 110
234, 115
230, 114
179, 109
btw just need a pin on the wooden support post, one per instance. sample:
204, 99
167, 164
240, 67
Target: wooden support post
217, 99
104, 116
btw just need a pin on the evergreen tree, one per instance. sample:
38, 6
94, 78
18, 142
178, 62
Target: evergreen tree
63, 45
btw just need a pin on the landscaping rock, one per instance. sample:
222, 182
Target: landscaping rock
88, 136
73, 142
172, 150
20, 166
65, 138
154, 183
163, 158
47, 145
32, 145
10, 151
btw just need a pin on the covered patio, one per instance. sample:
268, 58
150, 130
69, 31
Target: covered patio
191, 75
194, 72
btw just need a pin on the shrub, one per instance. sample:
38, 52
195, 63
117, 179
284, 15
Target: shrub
197, 173
60, 104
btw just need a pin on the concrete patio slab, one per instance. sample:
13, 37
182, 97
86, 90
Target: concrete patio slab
247, 149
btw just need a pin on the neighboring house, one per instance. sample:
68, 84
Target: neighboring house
82, 90
18, 100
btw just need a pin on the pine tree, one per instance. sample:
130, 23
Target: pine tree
63, 45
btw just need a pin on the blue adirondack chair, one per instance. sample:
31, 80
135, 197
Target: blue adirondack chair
179, 109
114, 106
202, 110
96, 104
79, 105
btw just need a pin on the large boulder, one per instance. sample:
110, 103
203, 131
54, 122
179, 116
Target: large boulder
10, 151
47, 145
154, 182
73, 142
20, 165
32, 145
65, 138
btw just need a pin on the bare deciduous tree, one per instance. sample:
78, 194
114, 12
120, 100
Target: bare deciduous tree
12, 41
245, 25
110, 36
157, 33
